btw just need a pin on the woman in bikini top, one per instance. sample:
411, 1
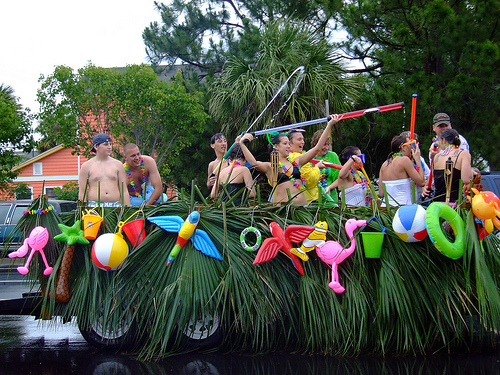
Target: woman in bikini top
288, 177
283, 177
234, 178
350, 176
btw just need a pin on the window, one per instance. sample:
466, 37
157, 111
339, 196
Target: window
37, 169
486, 184
49, 191
4, 210
18, 213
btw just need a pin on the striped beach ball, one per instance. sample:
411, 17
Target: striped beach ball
109, 251
409, 223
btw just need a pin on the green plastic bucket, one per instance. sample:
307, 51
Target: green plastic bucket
372, 241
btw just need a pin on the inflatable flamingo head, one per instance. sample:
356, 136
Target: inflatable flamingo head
352, 224
38, 238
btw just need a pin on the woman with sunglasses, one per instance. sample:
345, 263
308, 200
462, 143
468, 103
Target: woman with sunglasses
351, 178
399, 170
288, 174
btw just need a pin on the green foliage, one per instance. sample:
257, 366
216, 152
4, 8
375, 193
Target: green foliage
413, 300
69, 191
15, 134
22, 191
206, 34
284, 47
446, 52
131, 105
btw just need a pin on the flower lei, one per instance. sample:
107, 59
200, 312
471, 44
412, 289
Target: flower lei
129, 175
396, 154
323, 177
289, 174
448, 149
359, 178
39, 211
235, 163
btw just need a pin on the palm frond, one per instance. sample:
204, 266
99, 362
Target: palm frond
412, 300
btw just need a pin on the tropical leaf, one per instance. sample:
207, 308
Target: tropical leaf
412, 300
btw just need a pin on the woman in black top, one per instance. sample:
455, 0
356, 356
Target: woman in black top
460, 163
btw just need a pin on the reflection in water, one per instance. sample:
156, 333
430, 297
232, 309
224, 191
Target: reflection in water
36, 361
28, 348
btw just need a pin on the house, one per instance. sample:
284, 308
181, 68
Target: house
50, 169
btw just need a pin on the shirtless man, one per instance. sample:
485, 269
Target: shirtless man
142, 174
219, 143
105, 174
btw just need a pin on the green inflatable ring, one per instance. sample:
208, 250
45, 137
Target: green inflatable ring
257, 242
435, 212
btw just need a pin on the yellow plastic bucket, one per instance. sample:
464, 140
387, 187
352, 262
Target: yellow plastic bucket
91, 225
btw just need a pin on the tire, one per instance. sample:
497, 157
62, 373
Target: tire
121, 337
203, 333
496, 232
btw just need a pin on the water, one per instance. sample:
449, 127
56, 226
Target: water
28, 346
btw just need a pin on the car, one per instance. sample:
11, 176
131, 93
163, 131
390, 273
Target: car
12, 211
491, 182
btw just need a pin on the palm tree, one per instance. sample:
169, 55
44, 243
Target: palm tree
7, 94
245, 88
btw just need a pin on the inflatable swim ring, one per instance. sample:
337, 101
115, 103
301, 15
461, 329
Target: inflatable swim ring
435, 212
258, 241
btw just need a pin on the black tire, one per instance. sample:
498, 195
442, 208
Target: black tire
121, 337
204, 333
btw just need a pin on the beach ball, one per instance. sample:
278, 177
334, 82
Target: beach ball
409, 223
109, 251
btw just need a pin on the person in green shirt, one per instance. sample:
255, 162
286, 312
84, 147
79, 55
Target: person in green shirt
327, 175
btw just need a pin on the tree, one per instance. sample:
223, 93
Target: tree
446, 52
130, 104
15, 134
207, 33
69, 191
284, 47
22, 191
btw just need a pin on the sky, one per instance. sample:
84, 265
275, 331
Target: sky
38, 35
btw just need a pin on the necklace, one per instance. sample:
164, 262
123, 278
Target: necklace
359, 178
396, 154
129, 175
290, 176
448, 149
323, 178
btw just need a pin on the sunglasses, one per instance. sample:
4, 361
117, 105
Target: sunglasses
413, 143
362, 157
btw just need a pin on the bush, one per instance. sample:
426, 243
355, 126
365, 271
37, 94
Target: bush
22, 191
68, 192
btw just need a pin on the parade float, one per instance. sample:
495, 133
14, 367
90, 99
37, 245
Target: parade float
329, 279
197, 274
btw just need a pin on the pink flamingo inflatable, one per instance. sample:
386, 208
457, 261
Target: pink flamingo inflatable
37, 240
333, 253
